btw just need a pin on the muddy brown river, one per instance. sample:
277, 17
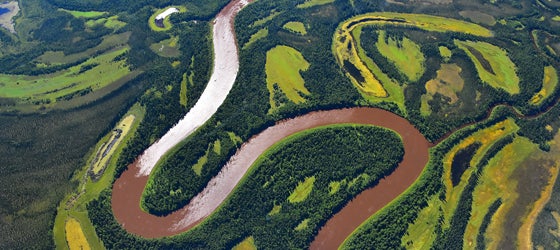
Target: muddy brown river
127, 190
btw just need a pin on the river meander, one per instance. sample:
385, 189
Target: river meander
127, 190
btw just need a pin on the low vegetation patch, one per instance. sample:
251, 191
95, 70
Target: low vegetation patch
302, 190
79, 80
283, 67
167, 48
404, 53
448, 83
105, 152
549, 84
85, 14
247, 244
262, 33
75, 236
311, 3
492, 64
296, 27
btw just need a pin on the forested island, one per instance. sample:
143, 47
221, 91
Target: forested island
386, 124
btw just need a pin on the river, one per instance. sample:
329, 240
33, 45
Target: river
127, 190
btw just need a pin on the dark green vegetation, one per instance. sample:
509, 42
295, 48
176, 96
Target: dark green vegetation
461, 162
340, 153
44, 150
40, 152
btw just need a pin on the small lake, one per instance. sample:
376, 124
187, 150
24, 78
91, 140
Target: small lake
4, 10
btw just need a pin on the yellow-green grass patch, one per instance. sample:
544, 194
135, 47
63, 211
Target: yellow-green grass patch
347, 54
372, 83
404, 54
74, 204
197, 167
235, 138
492, 64
421, 21
296, 27
302, 190
217, 147
91, 75
421, 234
262, 33
311, 3
111, 22
275, 210
550, 81
556, 18
334, 186
247, 244
445, 53
302, 225
166, 23
447, 83
106, 151
85, 14
51, 58
183, 92
283, 67
75, 236
486, 137
264, 20
167, 48
497, 181
393, 90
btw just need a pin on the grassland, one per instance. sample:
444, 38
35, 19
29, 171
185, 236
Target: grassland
445, 53
347, 55
85, 14
492, 64
107, 150
183, 91
266, 19
311, 3
296, 27
302, 191
93, 74
404, 54
75, 236
74, 205
262, 33
447, 83
364, 74
421, 21
51, 58
422, 232
302, 225
216, 147
247, 244
283, 67
167, 48
111, 22
549, 84
497, 181
167, 25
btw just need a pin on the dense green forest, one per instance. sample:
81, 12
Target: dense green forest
48, 142
340, 160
